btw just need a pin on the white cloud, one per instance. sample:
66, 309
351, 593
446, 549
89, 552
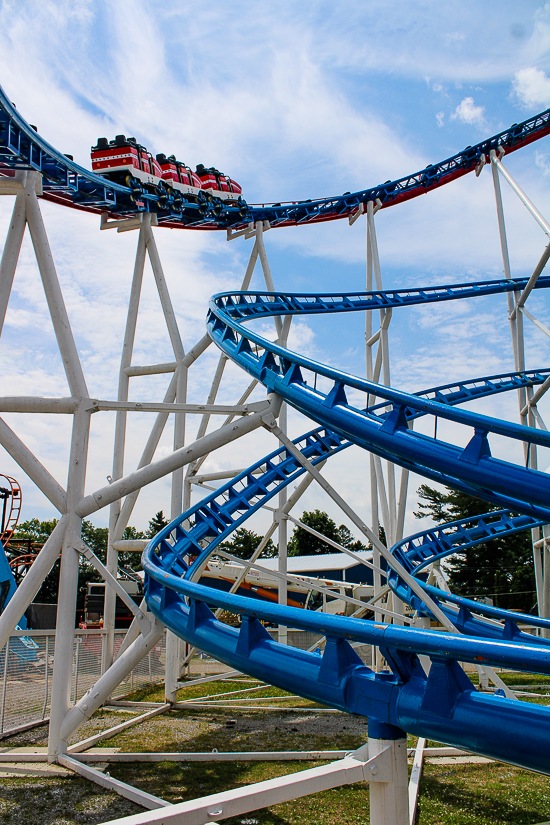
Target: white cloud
543, 162
278, 117
468, 112
532, 88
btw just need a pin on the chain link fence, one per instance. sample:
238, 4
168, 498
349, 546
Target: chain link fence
26, 674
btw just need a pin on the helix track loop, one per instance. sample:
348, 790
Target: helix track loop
439, 702
442, 704
472, 469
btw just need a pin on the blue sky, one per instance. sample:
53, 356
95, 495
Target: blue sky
294, 101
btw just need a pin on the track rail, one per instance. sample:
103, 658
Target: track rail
69, 184
443, 704
440, 704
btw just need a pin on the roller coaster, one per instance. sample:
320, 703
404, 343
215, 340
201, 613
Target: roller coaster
423, 689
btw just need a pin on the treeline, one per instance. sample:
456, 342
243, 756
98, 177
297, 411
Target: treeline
31, 535
302, 543
501, 569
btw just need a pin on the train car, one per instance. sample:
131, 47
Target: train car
218, 184
123, 160
178, 175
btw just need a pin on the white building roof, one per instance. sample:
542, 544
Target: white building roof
311, 564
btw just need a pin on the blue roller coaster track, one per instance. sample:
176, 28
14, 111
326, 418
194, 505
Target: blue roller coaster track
442, 705
440, 702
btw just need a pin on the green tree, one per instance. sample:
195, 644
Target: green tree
244, 542
29, 538
156, 524
304, 543
31, 535
501, 568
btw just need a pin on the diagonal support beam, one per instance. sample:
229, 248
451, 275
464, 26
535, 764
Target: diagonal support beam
143, 798
356, 767
152, 472
33, 467
359, 523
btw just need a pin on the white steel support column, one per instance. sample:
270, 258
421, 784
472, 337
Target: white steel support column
282, 536
383, 358
14, 239
511, 297
58, 312
282, 334
120, 439
375, 518
526, 412
384, 499
389, 801
172, 659
68, 584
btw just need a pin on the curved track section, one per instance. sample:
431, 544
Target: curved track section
443, 704
336, 403
69, 184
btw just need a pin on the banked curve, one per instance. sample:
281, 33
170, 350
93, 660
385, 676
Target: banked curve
341, 404
339, 678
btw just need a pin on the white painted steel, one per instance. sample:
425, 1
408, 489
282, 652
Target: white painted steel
527, 411
210, 756
389, 801
537, 272
130, 545
68, 577
146, 458
35, 404
542, 222
54, 297
147, 800
146, 475
414, 780
85, 744
159, 406
152, 369
540, 326
356, 767
12, 246
164, 295
120, 440
259, 228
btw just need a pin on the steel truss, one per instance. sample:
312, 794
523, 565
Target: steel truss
383, 762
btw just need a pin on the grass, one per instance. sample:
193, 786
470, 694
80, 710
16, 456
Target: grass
458, 794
